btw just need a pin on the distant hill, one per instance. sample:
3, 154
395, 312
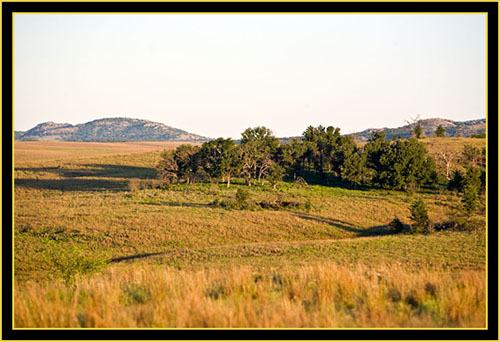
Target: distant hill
112, 129
452, 129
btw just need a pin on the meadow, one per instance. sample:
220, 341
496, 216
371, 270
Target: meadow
99, 242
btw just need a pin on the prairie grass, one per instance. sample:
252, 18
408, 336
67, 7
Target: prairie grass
317, 295
98, 242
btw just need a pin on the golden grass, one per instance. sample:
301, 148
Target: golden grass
74, 210
28, 151
323, 295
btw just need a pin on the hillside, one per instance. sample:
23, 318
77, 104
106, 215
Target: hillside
452, 128
111, 129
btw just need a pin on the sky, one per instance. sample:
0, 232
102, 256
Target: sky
217, 74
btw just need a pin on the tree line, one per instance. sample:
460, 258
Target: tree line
321, 152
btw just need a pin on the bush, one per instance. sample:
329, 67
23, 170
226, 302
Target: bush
419, 214
69, 260
470, 199
242, 195
395, 226
456, 182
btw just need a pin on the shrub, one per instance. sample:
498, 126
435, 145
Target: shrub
456, 182
242, 195
395, 226
419, 214
70, 260
470, 199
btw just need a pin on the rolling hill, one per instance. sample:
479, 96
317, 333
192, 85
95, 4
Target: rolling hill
452, 129
110, 129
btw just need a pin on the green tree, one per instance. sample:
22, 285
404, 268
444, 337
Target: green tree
167, 167
419, 215
217, 157
418, 132
230, 163
276, 173
470, 198
440, 131
402, 165
456, 182
259, 146
374, 149
186, 158
179, 164
354, 169
473, 156
291, 157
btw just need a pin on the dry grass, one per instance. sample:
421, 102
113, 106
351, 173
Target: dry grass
319, 295
29, 151
77, 208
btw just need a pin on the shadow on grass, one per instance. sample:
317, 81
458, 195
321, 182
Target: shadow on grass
179, 204
71, 178
135, 256
97, 170
72, 184
373, 231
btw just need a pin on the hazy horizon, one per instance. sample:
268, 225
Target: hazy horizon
216, 75
239, 134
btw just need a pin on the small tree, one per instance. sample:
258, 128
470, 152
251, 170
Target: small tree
470, 198
418, 131
419, 214
440, 131
456, 182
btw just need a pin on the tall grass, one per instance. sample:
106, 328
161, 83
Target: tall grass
317, 295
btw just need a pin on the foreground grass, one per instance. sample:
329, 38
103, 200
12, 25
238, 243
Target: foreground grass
90, 252
318, 295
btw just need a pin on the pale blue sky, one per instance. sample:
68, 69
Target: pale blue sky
217, 74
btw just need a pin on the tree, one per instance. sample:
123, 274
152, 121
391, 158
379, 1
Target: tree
419, 214
440, 131
186, 158
167, 167
354, 169
473, 156
445, 155
374, 149
217, 158
405, 165
412, 123
275, 175
470, 198
456, 182
291, 157
418, 132
259, 146
179, 164
230, 163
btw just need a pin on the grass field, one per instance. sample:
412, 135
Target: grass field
91, 252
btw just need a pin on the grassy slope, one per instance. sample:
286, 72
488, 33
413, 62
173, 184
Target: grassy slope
79, 212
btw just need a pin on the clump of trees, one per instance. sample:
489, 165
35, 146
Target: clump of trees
321, 153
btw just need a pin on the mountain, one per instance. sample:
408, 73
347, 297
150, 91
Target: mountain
452, 129
111, 129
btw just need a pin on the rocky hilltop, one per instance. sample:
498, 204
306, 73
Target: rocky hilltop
112, 129
452, 129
